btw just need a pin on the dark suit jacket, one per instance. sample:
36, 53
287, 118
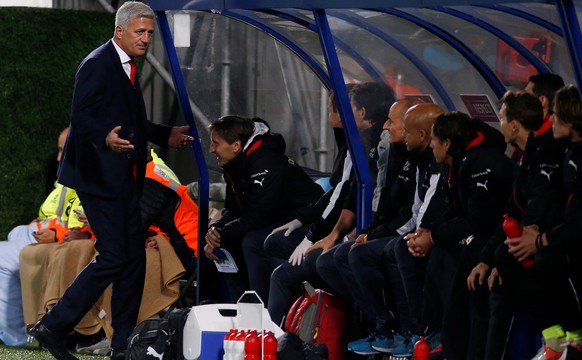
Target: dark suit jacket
104, 98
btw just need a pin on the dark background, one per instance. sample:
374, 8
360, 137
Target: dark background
40, 50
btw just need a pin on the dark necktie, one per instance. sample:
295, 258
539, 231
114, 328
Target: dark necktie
132, 71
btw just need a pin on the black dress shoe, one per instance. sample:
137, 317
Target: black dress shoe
117, 355
51, 342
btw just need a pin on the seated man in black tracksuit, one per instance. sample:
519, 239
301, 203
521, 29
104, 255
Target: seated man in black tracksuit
478, 183
361, 262
264, 189
537, 200
370, 103
552, 296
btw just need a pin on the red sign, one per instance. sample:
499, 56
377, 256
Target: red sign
479, 106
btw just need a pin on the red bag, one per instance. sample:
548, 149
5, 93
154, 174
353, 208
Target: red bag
319, 317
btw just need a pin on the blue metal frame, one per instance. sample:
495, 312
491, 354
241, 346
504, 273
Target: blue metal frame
365, 64
262, 25
290, 44
368, 68
526, 16
204, 181
334, 78
522, 50
569, 17
364, 205
220, 5
489, 75
418, 63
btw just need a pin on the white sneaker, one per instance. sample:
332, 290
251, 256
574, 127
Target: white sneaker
103, 347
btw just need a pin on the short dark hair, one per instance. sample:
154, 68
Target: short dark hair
568, 107
376, 97
525, 108
233, 127
546, 85
458, 127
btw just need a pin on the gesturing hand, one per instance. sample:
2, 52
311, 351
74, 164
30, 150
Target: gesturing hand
115, 143
179, 137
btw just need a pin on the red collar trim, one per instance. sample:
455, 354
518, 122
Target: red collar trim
476, 141
253, 147
518, 151
548, 117
545, 127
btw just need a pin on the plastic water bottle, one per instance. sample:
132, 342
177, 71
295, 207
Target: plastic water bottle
228, 344
421, 350
238, 349
269, 346
252, 346
513, 230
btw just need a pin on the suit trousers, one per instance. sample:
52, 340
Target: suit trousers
120, 244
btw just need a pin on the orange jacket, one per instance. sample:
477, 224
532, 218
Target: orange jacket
186, 214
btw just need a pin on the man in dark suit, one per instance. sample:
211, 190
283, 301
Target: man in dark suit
104, 160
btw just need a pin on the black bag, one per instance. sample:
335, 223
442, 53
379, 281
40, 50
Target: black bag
158, 338
291, 347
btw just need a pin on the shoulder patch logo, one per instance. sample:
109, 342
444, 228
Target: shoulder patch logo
259, 182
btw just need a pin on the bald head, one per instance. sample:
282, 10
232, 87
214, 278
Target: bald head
395, 122
61, 142
418, 121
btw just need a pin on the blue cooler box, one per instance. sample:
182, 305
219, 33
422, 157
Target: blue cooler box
207, 325
205, 329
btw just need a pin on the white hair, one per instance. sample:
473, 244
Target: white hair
132, 10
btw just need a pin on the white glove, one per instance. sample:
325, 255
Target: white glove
289, 227
297, 257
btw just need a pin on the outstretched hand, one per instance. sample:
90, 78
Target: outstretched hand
179, 137
115, 143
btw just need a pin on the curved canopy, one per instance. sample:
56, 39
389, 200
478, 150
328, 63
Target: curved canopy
462, 55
